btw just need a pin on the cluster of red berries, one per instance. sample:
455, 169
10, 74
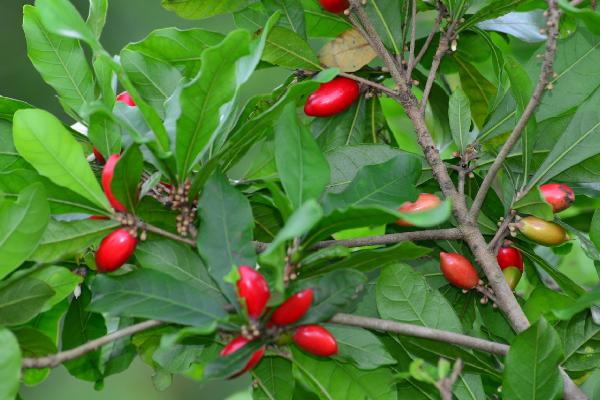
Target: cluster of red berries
459, 271
253, 292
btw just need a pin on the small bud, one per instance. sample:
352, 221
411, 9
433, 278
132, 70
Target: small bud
347, 11
454, 45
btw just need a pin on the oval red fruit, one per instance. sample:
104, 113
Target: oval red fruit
114, 250
335, 6
458, 270
107, 176
316, 340
236, 344
98, 155
253, 288
425, 201
509, 257
543, 232
293, 308
558, 195
98, 217
332, 97
126, 98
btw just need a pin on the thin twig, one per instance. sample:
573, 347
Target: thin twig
413, 39
445, 385
501, 233
164, 233
423, 51
421, 332
392, 238
59, 358
536, 98
370, 83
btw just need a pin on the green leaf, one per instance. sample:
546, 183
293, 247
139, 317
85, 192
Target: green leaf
97, 16
457, 8
361, 347
79, 327
404, 295
199, 9
127, 176
590, 18
292, 14
531, 366
459, 114
22, 224
225, 231
60, 61
338, 291
154, 295
10, 365
286, 49
22, 300
62, 281
595, 229
346, 161
9, 106
578, 335
179, 48
104, 133
177, 260
225, 366
34, 343
584, 302
63, 238
303, 169
43, 141
333, 380
343, 129
62, 18
320, 23
430, 218
155, 79
386, 15
533, 203
389, 184
480, 91
274, 378
492, 9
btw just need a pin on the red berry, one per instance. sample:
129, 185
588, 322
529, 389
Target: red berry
316, 340
124, 97
558, 195
293, 308
114, 250
107, 176
98, 217
98, 155
253, 288
458, 270
425, 201
236, 344
335, 6
509, 257
332, 97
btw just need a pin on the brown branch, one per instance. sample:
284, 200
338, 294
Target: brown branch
445, 385
421, 332
370, 83
536, 98
413, 39
501, 233
392, 238
59, 358
161, 232
423, 51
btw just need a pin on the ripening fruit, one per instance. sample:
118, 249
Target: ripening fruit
98, 155
236, 344
98, 217
425, 201
114, 250
512, 276
509, 257
316, 340
558, 195
334, 6
543, 232
126, 98
332, 97
107, 176
253, 288
458, 270
293, 308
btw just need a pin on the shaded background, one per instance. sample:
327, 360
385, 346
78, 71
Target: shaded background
128, 21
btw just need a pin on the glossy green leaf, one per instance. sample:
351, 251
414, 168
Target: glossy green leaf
22, 300
480, 90
63, 238
386, 16
199, 9
60, 279
584, 302
334, 380
591, 18
303, 170
97, 16
43, 141
533, 203
459, 114
389, 184
360, 347
292, 14
127, 177
492, 9
154, 295
62, 18
9, 106
225, 366
275, 379
105, 134
286, 49
179, 48
22, 224
595, 229
60, 61
531, 369
404, 295
34, 343
320, 23
343, 129
576, 334
10, 365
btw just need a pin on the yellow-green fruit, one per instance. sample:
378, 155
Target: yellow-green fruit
512, 276
542, 232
